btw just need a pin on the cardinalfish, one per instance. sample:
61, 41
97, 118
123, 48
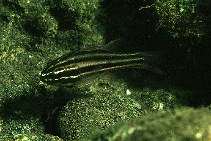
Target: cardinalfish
72, 67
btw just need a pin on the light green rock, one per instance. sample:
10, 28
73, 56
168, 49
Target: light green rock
178, 125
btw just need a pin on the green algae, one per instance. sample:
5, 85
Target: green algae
30, 137
181, 18
79, 17
21, 126
179, 125
82, 117
30, 31
102, 105
108, 99
17, 129
31, 34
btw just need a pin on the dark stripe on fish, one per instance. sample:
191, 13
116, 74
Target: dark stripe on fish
97, 55
69, 68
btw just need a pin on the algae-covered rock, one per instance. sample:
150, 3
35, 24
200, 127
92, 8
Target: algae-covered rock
32, 33
106, 100
77, 19
179, 125
101, 106
25, 129
29, 137
14, 126
181, 18
81, 117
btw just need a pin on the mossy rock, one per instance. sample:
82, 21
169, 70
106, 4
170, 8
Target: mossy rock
21, 126
96, 107
106, 100
30, 137
178, 125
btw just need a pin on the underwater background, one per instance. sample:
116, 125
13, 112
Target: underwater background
125, 105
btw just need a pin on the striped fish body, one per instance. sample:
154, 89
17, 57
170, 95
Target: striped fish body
72, 67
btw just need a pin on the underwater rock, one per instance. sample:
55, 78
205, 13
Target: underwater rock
179, 125
29, 137
104, 101
99, 107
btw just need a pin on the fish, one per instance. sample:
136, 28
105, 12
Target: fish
75, 66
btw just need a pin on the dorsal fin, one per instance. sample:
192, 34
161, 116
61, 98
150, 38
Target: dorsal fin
114, 45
